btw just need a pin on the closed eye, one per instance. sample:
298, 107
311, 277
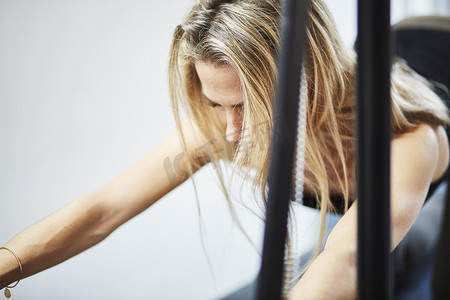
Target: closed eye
210, 102
213, 104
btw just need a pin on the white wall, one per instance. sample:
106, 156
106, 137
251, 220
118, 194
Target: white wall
407, 8
82, 95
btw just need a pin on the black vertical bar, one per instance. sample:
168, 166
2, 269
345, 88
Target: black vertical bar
270, 279
441, 274
374, 136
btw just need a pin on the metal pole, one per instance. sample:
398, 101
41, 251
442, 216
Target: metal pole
270, 279
441, 274
374, 136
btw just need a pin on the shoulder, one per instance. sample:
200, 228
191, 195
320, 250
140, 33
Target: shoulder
424, 147
422, 131
423, 137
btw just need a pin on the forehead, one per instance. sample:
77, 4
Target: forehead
219, 83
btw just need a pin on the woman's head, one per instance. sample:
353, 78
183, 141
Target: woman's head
237, 42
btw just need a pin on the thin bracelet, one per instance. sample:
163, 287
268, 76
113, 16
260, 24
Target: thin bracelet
7, 291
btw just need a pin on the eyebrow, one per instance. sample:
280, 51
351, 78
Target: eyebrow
212, 103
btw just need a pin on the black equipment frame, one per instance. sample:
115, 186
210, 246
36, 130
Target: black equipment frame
293, 39
374, 138
373, 135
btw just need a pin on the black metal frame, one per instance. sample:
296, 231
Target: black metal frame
270, 281
374, 65
441, 275
374, 137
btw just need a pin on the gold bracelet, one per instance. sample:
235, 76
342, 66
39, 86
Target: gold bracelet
7, 291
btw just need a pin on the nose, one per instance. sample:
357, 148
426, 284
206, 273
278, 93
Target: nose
234, 126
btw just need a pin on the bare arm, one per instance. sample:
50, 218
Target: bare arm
418, 158
92, 217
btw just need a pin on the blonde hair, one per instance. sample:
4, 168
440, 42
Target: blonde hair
245, 35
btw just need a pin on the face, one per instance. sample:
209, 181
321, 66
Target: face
222, 90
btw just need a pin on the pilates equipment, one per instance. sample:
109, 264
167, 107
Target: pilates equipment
374, 61
373, 142
441, 275
270, 281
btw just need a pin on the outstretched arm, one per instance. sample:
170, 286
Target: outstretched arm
92, 217
418, 158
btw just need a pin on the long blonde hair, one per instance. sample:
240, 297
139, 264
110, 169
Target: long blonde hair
245, 35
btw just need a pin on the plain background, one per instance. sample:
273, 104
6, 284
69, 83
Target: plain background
83, 94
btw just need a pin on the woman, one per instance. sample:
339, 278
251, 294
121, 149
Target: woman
222, 71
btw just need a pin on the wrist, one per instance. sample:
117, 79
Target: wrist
10, 269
